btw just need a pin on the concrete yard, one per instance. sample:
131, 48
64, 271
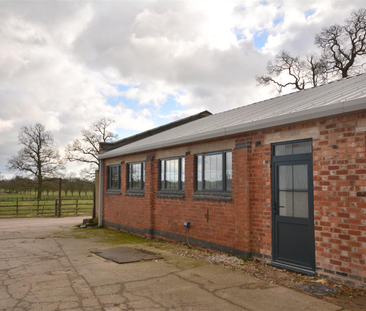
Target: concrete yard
46, 265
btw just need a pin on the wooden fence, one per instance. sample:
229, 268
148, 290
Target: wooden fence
34, 208
44, 197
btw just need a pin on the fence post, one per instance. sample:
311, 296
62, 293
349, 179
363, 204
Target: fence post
37, 207
55, 207
17, 208
59, 198
77, 203
94, 205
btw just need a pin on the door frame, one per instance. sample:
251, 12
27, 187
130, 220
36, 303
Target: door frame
308, 157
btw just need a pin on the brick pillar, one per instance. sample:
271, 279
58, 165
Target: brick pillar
241, 196
149, 197
189, 175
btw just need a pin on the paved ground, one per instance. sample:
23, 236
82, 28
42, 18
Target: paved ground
44, 267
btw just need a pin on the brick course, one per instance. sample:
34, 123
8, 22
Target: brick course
244, 224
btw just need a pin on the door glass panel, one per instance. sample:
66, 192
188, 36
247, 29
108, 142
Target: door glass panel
301, 204
285, 172
300, 177
293, 191
286, 203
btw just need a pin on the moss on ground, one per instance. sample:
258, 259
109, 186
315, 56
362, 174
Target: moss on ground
110, 236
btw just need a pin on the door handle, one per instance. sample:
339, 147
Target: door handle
275, 211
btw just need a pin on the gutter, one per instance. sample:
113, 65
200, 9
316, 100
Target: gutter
309, 114
100, 212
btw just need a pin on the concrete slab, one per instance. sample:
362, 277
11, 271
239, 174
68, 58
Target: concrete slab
44, 266
123, 255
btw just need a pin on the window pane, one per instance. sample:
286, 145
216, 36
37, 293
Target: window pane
213, 172
135, 181
162, 170
303, 147
172, 174
199, 173
229, 171
114, 177
143, 174
293, 148
183, 174
283, 150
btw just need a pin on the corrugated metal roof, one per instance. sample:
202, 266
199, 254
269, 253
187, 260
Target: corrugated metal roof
299, 103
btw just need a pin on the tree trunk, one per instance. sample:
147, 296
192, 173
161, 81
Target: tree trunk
39, 189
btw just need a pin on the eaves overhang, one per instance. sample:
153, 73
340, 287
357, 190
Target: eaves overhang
287, 118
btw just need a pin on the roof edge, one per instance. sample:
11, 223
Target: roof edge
309, 114
125, 141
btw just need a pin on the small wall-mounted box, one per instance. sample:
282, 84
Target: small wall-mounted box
187, 224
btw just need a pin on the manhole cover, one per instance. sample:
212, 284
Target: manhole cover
317, 289
125, 254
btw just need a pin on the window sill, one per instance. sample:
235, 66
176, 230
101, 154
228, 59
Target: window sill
113, 191
135, 192
215, 196
171, 194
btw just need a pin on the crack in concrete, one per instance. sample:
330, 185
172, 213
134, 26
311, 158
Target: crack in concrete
213, 292
86, 282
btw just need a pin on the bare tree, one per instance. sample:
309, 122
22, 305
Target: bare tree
342, 45
39, 158
1, 182
341, 49
70, 183
287, 70
86, 149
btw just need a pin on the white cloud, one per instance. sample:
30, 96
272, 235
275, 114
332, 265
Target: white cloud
61, 62
6, 125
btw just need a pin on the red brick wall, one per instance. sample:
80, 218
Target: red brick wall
127, 210
245, 222
340, 208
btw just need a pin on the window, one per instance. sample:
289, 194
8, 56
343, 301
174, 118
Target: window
214, 171
136, 176
292, 148
114, 178
172, 174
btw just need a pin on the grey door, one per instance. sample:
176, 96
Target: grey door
293, 244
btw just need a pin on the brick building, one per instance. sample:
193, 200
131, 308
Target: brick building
283, 179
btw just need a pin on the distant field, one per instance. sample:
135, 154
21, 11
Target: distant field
33, 195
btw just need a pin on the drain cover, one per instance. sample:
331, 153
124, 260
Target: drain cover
125, 254
317, 289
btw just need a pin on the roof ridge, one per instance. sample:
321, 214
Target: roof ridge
105, 146
284, 95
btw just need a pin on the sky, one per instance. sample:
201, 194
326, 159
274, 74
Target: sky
66, 64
